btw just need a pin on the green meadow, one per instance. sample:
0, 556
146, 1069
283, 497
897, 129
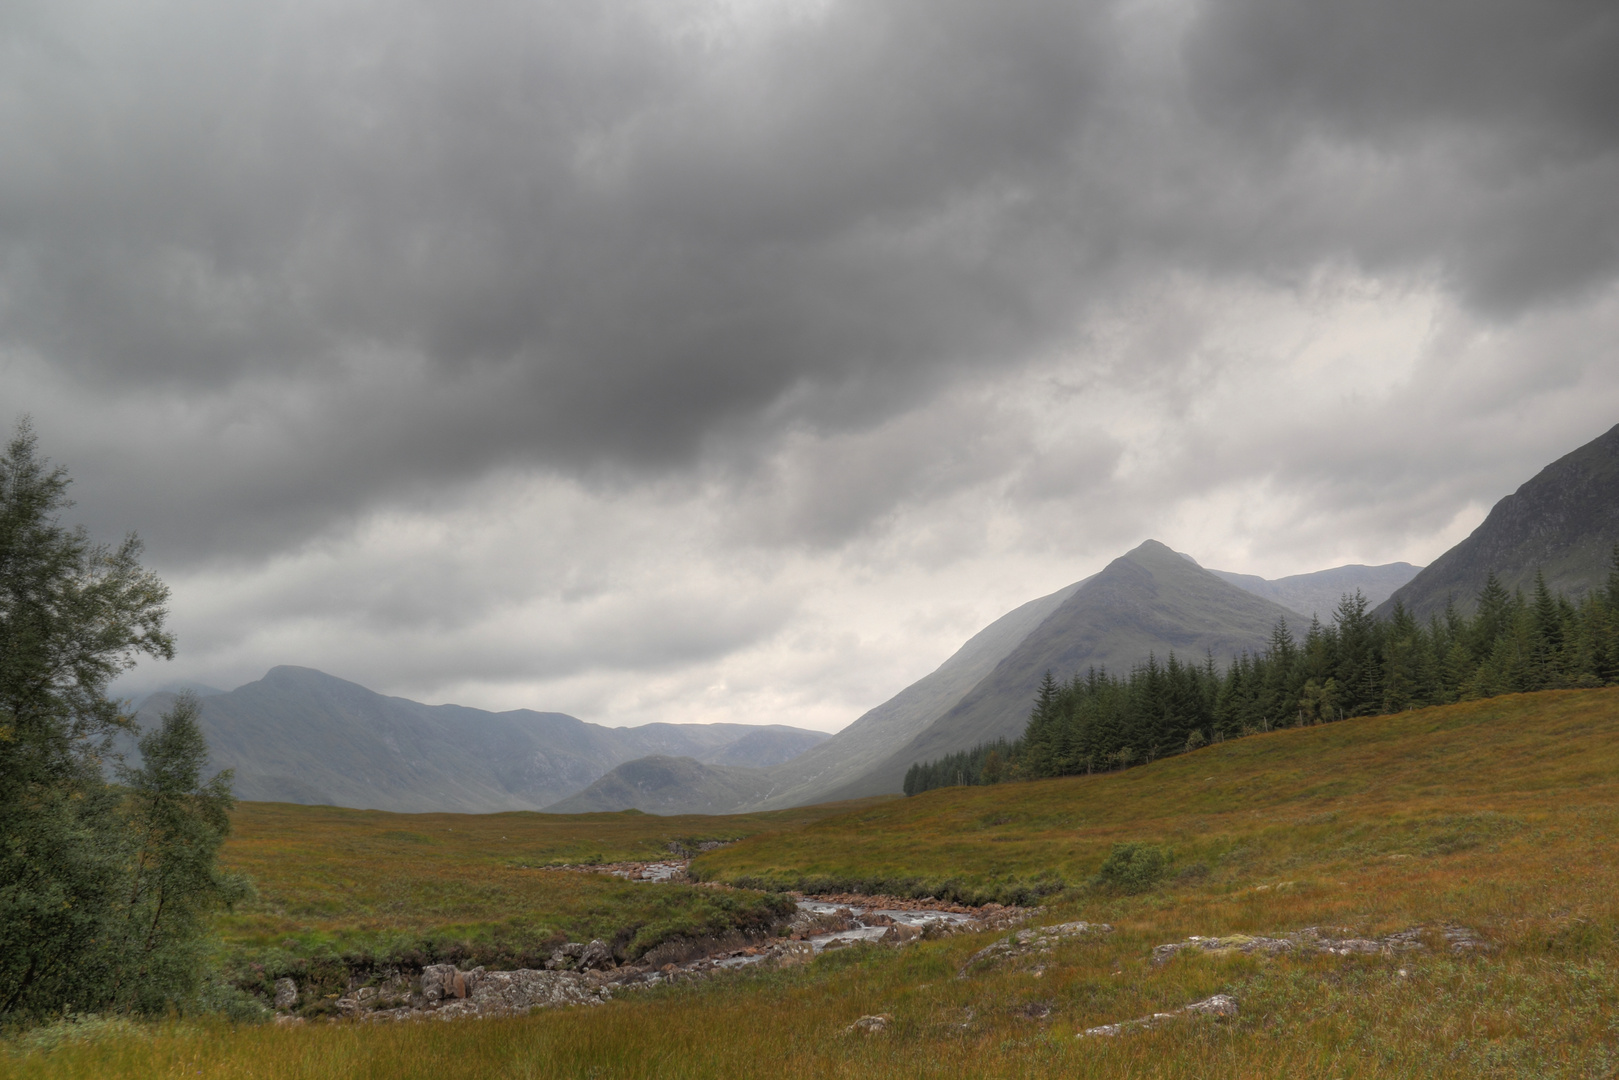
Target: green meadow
1501, 816
374, 887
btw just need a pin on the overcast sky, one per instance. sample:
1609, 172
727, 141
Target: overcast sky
737, 360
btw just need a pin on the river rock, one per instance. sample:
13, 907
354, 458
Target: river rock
507, 992
438, 982
597, 957
286, 994
566, 957
789, 953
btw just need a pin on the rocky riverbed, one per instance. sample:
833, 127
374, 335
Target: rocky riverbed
587, 973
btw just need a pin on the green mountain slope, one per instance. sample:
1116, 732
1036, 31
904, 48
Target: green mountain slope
299, 735
1148, 601
1564, 522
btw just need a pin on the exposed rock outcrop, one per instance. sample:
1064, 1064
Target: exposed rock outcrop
1222, 1005
1316, 939
870, 1024
1033, 942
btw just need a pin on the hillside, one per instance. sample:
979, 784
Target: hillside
1150, 600
881, 731
667, 785
299, 735
1563, 522
1385, 784
1462, 853
1317, 594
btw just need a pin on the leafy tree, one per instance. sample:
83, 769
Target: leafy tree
177, 821
78, 856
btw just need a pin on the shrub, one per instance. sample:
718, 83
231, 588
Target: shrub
1133, 867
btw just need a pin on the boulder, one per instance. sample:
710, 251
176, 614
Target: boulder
524, 989
566, 957
438, 982
792, 952
1032, 942
870, 1024
286, 994
597, 957
1218, 1005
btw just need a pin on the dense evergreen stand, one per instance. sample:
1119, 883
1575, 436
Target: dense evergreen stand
1356, 666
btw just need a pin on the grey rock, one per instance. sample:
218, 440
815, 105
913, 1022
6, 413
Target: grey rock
566, 957
438, 981
1033, 941
510, 992
870, 1024
286, 994
1222, 1005
1316, 939
597, 957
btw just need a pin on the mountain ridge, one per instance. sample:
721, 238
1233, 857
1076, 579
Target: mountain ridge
1562, 522
301, 735
1214, 617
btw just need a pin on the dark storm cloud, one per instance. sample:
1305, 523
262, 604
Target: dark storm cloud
1487, 132
370, 248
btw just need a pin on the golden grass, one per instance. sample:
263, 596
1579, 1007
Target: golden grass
369, 881
1500, 815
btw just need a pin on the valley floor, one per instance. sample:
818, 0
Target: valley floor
1432, 894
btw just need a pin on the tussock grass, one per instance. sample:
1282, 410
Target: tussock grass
1500, 815
376, 887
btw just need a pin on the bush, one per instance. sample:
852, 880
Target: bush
1132, 868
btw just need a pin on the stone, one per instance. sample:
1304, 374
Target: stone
1033, 941
1218, 1005
899, 933
1223, 1005
508, 992
597, 957
436, 980
795, 952
870, 1024
1316, 939
286, 994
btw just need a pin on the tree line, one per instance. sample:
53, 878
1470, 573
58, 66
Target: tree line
108, 873
1357, 665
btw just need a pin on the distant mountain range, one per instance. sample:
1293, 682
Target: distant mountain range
1148, 601
300, 735
1563, 523
1317, 595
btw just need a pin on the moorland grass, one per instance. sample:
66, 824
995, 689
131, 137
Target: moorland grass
375, 888
1500, 815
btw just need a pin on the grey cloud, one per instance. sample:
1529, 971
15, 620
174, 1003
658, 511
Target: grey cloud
378, 249
1487, 135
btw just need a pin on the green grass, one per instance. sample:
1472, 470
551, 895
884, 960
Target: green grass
372, 887
1500, 815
